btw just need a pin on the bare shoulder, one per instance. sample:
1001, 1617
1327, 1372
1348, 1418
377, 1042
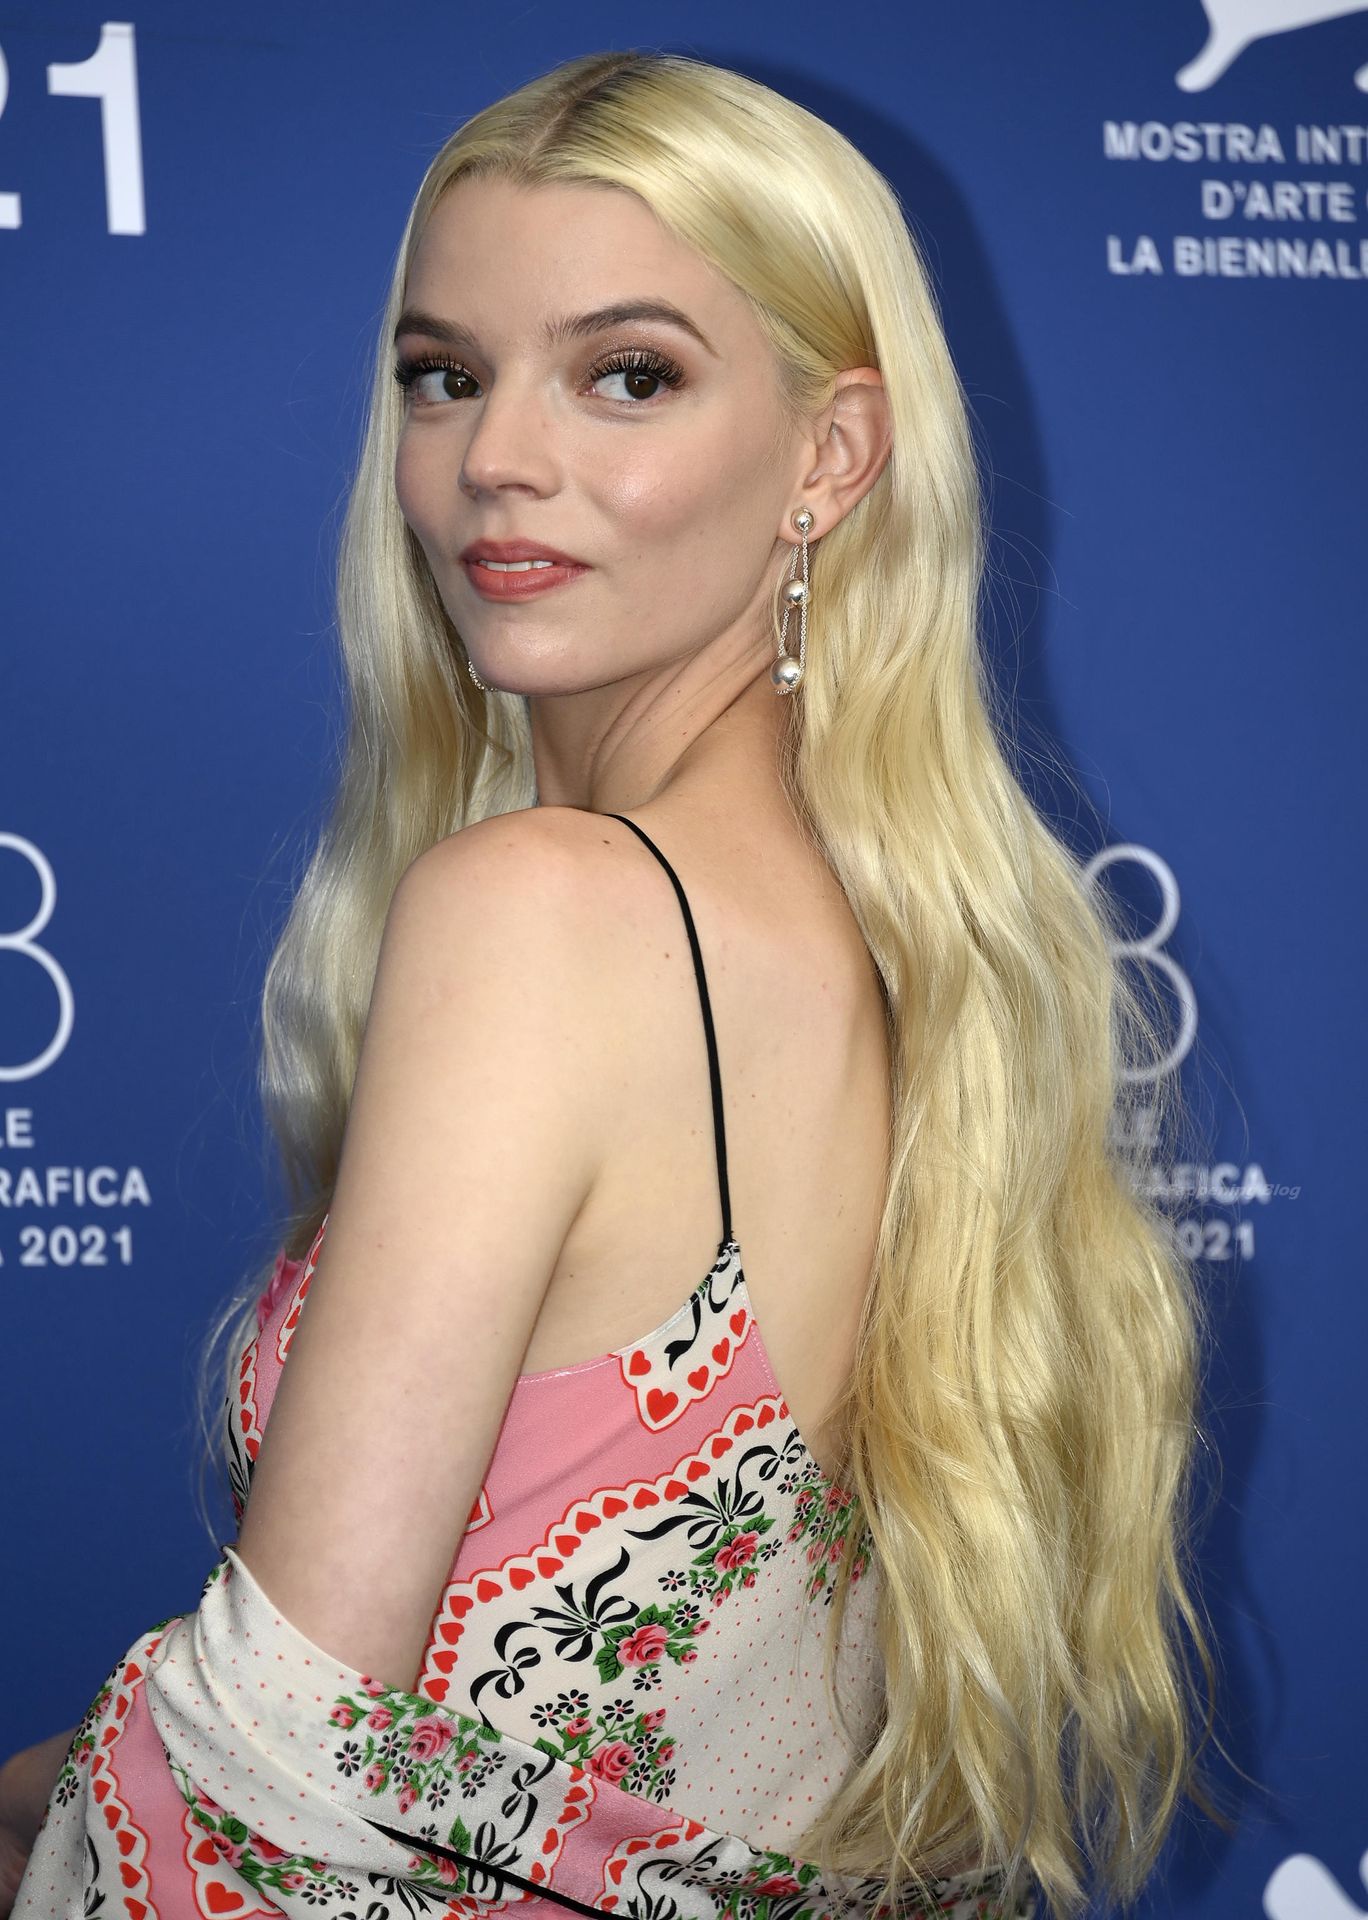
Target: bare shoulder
555, 875
520, 931
543, 847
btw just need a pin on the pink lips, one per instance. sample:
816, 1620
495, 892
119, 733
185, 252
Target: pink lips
523, 584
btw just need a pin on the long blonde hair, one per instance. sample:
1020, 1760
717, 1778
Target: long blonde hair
1020, 1415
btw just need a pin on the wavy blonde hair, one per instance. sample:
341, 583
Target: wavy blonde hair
1020, 1415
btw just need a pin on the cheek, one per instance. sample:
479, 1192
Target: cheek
701, 526
660, 496
417, 488
703, 483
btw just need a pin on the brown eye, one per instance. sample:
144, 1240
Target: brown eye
640, 367
409, 373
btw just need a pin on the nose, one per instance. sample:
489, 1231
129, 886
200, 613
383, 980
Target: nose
512, 442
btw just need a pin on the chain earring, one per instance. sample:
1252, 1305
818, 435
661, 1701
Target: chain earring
787, 673
475, 676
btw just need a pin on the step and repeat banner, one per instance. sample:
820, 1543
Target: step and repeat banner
1148, 224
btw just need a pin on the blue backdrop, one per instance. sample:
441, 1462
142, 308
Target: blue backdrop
1152, 260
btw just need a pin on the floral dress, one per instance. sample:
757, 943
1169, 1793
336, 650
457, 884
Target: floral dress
619, 1707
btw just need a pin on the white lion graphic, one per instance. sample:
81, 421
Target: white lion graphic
1235, 24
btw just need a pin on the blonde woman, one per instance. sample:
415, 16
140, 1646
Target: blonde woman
681, 955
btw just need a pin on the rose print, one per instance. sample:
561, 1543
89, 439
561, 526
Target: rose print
777, 1884
648, 1643
737, 1551
612, 1761
429, 1738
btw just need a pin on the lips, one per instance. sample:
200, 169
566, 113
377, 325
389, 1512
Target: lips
520, 582
519, 550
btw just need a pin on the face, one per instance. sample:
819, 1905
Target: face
650, 450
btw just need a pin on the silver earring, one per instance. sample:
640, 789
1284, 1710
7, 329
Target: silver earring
475, 676
787, 673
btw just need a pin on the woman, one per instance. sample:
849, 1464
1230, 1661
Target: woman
658, 595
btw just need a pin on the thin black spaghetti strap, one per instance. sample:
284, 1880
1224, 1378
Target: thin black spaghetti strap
714, 1070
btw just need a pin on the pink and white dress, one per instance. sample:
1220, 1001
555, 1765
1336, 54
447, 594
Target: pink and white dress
619, 1708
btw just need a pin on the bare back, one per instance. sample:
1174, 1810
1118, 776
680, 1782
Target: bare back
804, 1076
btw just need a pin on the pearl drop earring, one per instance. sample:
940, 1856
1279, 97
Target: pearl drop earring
787, 673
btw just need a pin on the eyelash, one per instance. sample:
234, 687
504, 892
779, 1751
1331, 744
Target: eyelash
632, 360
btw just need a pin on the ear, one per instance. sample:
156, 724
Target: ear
854, 438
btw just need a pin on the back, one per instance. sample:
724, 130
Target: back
803, 1096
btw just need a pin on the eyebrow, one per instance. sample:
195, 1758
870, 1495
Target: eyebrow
574, 326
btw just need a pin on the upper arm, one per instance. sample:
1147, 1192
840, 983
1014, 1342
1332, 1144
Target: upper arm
471, 1143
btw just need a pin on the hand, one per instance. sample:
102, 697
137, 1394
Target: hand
26, 1782
13, 1859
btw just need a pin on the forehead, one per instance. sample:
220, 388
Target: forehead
493, 253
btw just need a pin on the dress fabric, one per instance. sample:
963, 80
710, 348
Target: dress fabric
619, 1708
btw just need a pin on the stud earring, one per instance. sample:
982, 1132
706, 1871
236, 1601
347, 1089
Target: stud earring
787, 673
